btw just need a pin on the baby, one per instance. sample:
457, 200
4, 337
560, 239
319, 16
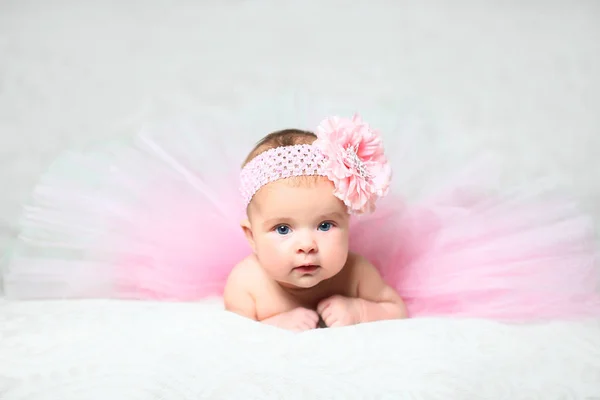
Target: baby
300, 189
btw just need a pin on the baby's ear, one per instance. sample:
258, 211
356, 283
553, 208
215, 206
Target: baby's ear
247, 228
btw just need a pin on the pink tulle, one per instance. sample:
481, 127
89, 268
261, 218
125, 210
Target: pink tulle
151, 220
481, 258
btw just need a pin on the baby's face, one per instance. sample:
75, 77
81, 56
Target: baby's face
300, 231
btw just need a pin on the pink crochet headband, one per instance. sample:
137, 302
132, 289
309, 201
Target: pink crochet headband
347, 151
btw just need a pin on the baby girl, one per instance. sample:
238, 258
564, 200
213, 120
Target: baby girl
300, 189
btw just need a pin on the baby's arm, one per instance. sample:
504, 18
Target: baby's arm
376, 300
373, 299
237, 296
298, 319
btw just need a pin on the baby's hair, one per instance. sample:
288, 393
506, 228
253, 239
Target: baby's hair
282, 138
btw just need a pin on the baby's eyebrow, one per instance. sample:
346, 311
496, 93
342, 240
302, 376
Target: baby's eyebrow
332, 215
277, 220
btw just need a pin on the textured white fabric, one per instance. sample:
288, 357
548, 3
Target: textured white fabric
131, 350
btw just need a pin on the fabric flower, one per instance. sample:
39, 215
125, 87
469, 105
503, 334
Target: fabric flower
355, 162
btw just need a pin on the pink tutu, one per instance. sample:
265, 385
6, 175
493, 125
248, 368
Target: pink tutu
158, 218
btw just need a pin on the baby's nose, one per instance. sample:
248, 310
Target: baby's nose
307, 245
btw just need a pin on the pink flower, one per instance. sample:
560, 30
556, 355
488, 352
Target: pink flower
355, 162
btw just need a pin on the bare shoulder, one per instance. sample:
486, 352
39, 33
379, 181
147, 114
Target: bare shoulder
358, 267
245, 273
368, 281
241, 285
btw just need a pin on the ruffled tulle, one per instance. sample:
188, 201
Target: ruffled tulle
157, 217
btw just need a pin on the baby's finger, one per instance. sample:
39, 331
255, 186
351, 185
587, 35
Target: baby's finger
308, 325
311, 322
300, 327
330, 320
323, 305
336, 324
326, 314
314, 317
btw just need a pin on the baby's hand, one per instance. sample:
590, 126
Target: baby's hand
339, 311
299, 319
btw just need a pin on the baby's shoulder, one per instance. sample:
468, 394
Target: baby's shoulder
239, 294
246, 274
358, 268
356, 264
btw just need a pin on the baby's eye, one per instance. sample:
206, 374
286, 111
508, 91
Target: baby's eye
325, 226
283, 230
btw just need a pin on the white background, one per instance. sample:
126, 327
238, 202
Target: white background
521, 77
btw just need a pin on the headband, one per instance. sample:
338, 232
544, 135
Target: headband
347, 151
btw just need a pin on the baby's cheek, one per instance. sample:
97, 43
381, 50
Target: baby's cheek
338, 249
271, 258
342, 240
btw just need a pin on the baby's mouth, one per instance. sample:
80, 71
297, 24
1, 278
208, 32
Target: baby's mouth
307, 269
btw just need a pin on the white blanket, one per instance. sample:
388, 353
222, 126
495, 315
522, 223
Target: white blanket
73, 350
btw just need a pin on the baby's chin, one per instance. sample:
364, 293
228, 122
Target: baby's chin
299, 284
298, 280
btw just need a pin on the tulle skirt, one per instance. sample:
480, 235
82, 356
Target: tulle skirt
156, 216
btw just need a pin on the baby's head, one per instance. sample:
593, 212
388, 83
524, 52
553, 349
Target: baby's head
299, 189
296, 226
